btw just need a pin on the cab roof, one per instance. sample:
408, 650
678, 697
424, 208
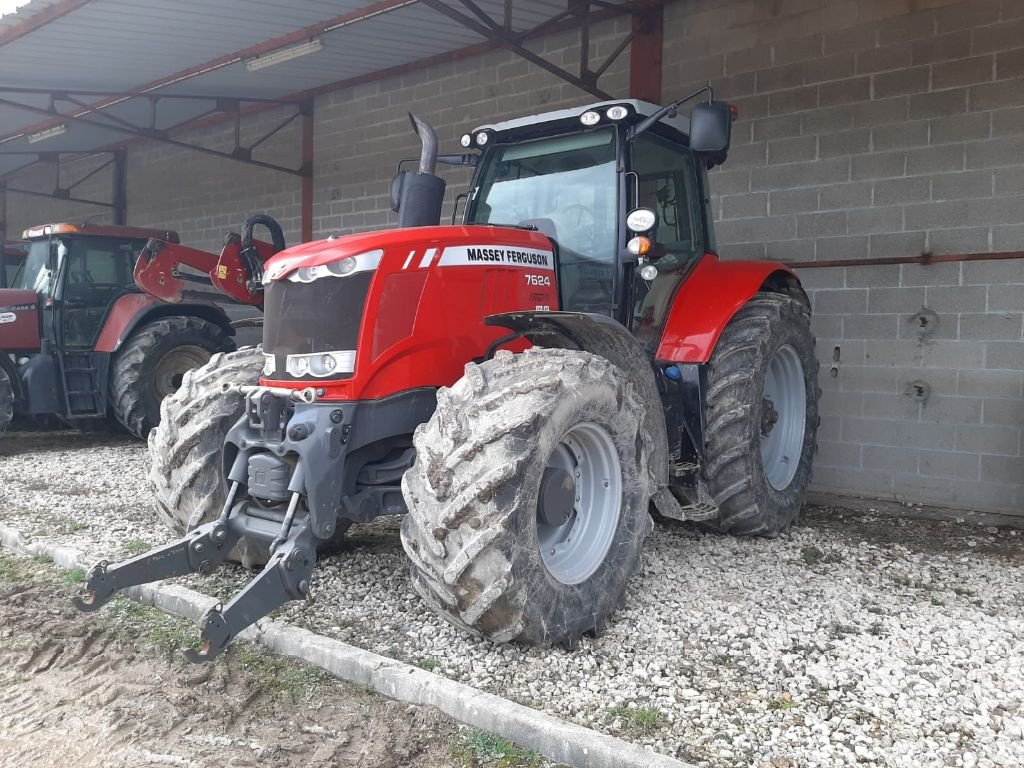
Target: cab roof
99, 230
562, 119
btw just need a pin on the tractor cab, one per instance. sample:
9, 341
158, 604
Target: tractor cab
617, 189
67, 306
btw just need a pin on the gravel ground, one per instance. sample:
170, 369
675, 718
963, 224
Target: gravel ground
854, 639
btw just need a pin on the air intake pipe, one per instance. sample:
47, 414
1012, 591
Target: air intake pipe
417, 197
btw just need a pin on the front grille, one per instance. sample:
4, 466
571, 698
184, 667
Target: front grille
310, 318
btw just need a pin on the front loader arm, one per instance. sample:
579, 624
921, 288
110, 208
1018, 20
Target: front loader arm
176, 273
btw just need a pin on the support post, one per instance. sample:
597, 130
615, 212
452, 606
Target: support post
645, 56
3, 214
119, 194
307, 172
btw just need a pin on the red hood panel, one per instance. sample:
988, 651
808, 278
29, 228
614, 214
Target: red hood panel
399, 243
19, 321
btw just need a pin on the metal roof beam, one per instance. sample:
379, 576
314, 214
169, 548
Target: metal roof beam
159, 137
57, 194
504, 40
62, 94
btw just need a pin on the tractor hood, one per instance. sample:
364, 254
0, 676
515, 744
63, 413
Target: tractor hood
19, 320
418, 247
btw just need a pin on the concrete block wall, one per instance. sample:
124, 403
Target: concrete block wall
874, 129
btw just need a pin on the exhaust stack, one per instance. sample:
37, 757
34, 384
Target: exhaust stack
417, 197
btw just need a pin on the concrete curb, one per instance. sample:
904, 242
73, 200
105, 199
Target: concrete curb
553, 738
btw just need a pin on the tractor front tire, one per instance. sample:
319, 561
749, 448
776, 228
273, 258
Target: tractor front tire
762, 417
186, 472
152, 364
559, 424
6, 400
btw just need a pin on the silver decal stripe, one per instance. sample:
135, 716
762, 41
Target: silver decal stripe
408, 259
428, 257
496, 255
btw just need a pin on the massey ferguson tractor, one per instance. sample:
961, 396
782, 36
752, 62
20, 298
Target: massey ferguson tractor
522, 387
99, 320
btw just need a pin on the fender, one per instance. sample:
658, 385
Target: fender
133, 309
608, 338
707, 300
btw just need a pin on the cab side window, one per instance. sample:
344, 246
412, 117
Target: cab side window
667, 184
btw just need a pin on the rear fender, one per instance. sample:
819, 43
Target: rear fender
602, 336
135, 309
707, 300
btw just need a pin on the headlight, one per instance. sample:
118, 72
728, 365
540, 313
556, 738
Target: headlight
322, 364
590, 117
649, 272
641, 220
269, 364
466, 140
482, 138
340, 268
618, 112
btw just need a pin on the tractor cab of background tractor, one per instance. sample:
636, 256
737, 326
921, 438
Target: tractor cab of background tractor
71, 316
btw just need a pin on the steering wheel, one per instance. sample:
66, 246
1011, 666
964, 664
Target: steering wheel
577, 216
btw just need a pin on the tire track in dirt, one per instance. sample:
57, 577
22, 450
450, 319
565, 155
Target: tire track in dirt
89, 691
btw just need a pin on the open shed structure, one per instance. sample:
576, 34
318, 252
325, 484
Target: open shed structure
869, 133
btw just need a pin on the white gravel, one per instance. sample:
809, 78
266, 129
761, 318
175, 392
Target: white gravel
854, 639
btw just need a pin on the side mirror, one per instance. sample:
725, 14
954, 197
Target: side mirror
397, 184
711, 131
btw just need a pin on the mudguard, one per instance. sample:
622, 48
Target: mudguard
19, 320
602, 336
709, 297
133, 309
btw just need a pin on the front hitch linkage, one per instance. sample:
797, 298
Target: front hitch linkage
285, 577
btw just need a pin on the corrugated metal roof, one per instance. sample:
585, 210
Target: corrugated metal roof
127, 45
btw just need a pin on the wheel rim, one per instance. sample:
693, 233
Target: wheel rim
783, 417
174, 365
573, 550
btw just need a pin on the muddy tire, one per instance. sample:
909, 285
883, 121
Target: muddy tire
186, 472
512, 430
152, 363
6, 400
762, 418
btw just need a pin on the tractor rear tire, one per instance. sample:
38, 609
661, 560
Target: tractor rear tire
6, 400
476, 524
186, 472
152, 363
762, 417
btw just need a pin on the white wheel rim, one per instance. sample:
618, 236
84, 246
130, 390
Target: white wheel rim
783, 417
572, 552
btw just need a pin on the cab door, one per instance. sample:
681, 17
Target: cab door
667, 181
97, 271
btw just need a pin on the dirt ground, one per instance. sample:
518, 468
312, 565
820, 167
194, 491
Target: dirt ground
111, 689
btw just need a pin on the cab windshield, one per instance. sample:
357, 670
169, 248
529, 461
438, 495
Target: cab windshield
38, 275
566, 187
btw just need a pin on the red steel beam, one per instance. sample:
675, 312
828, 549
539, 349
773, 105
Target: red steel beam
306, 213
41, 19
645, 54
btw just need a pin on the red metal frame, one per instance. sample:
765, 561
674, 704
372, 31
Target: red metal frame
41, 19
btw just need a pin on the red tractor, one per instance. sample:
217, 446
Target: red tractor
103, 320
522, 387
